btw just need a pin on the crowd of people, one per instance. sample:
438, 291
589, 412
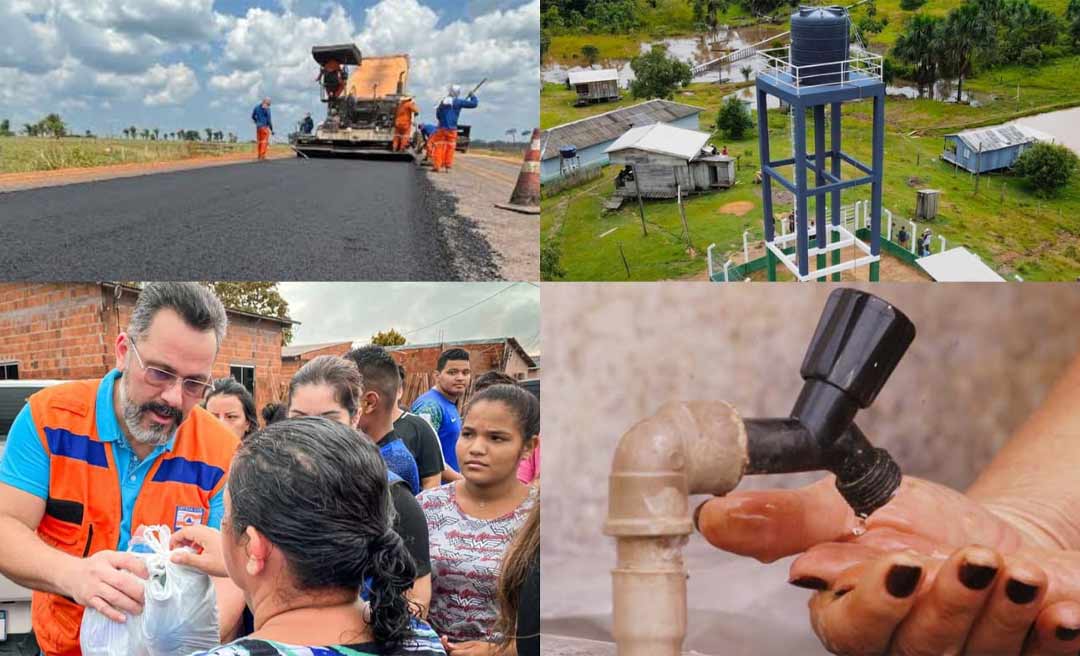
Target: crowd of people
334, 522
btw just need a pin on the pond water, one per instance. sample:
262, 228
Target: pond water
693, 50
1061, 125
944, 91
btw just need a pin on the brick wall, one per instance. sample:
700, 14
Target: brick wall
290, 365
482, 357
68, 331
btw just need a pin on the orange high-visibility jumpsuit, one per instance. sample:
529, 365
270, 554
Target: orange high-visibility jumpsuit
262, 136
403, 124
443, 149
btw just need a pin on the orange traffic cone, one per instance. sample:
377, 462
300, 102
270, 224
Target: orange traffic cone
526, 196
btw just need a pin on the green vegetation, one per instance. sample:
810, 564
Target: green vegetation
1047, 167
25, 154
557, 102
734, 121
1013, 230
657, 76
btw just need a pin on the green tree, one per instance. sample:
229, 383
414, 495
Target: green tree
590, 52
1047, 167
709, 11
963, 34
550, 267
134, 131
53, 125
157, 133
746, 71
920, 46
5, 128
545, 42
209, 134
30, 130
255, 297
145, 134
1072, 14
734, 119
657, 75
388, 338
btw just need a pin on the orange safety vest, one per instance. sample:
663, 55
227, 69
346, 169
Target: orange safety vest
83, 511
403, 118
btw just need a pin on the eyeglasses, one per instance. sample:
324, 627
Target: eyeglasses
161, 378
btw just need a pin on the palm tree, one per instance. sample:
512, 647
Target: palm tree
157, 133
708, 11
134, 131
146, 134
920, 46
513, 134
209, 134
964, 32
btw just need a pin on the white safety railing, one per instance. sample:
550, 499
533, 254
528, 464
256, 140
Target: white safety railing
860, 68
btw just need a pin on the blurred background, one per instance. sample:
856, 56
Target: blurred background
983, 358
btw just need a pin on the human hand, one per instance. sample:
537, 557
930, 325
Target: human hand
207, 557
974, 599
469, 648
109, 582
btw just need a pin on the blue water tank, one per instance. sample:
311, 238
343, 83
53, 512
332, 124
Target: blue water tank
568, 152
819, 35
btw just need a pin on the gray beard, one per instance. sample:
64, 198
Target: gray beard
155, 436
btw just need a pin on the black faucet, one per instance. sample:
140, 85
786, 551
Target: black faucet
859, 340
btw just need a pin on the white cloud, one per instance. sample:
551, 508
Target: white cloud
169, 85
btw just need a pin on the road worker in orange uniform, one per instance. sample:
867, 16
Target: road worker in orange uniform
89, 463
264, 127
403, 123
333, 77
446, 136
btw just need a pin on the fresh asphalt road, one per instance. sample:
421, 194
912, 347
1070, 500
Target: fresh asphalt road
286, 219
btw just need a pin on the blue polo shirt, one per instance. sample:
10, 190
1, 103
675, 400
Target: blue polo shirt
400, 461
25, 463
442, 414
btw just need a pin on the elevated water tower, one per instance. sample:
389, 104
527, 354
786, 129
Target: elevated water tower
817, 70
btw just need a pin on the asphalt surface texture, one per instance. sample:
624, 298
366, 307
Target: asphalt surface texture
286, 219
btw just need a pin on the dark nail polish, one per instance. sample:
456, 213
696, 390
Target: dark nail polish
1066, 634
977, 577
1019, 592
902, 579
810, 583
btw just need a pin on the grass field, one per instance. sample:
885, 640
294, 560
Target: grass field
1010, 228
24, 154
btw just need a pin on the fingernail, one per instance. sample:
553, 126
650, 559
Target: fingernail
902, 579
697, 514
977, 577
810, 583
1019, 592
1066, 634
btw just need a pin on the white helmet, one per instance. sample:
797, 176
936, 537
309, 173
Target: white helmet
455, 90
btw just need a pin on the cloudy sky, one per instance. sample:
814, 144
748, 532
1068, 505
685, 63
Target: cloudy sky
196, 64
332, 311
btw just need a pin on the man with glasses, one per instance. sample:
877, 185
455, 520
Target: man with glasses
88, 463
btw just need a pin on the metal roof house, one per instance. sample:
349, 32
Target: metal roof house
594, 85
589, 137
989, 149
661, 159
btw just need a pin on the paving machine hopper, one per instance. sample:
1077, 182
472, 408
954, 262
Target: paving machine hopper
360, 104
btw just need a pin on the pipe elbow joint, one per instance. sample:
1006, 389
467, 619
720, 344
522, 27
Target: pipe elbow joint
696, 447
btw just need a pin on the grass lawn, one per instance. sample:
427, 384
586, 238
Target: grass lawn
1011, 229
25, 154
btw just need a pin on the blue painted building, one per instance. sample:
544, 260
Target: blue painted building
989, 149
591, 136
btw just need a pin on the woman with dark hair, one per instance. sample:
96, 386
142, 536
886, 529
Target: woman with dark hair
519, 591
302, 559
330, 387
471, 522
233, 406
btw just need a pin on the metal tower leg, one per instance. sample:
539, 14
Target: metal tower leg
799, 119
766, 181
819, 199
834, 125
875, 186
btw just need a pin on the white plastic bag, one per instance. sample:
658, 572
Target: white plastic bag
179, 614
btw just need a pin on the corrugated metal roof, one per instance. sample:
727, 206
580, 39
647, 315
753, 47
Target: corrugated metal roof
958, 265
663, 139
998, 136
583, 77
609, 126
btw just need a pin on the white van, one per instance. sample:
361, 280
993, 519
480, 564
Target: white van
15, 629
